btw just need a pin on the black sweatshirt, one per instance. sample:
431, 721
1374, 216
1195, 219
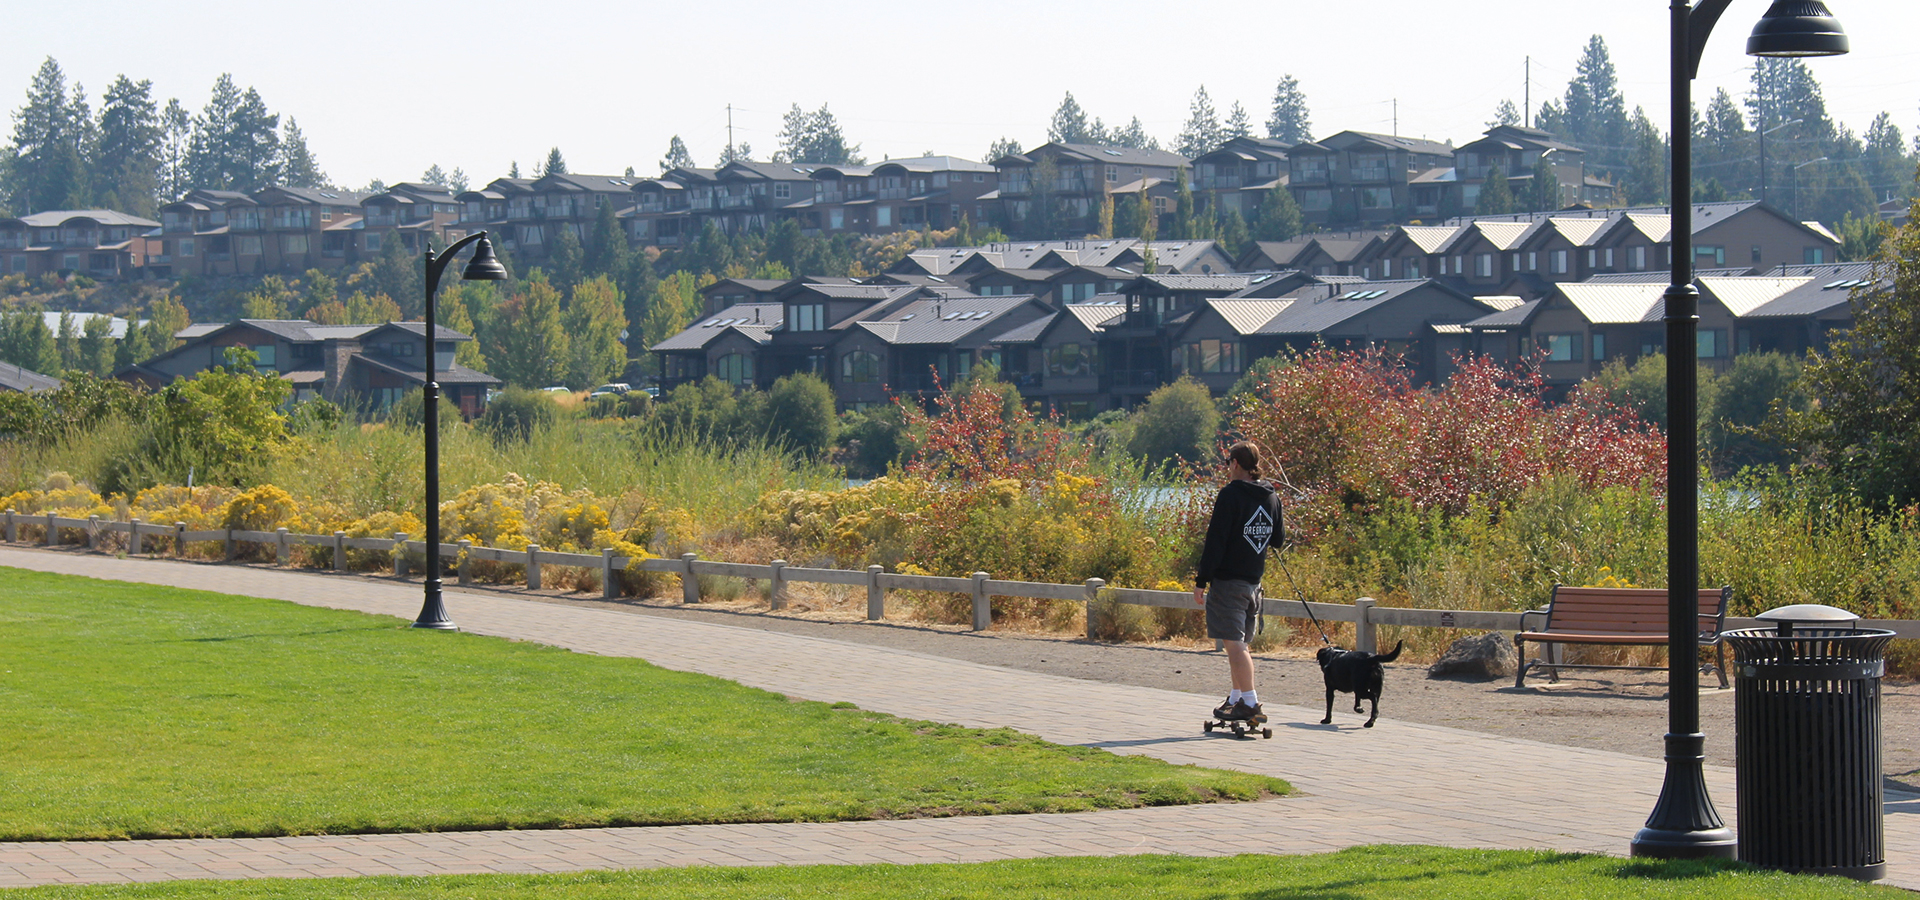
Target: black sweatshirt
1246, 521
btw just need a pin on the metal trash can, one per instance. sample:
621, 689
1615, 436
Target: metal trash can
1807, 742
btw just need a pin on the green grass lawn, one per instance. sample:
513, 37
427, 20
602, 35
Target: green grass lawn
1389, 873
138, 711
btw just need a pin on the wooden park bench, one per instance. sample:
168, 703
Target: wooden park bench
1618, 617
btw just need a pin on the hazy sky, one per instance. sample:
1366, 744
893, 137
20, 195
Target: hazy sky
385, 89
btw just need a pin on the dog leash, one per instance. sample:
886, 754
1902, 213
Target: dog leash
1282, 556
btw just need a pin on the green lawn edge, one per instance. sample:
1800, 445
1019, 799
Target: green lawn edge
142, 711
1378, 871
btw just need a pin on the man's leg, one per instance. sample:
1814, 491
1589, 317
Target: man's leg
1239, 665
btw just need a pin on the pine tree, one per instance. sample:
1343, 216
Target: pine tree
399, 275
1496, 196
46, 163
298, 168
127, 163
1183, 211
1505, 114
815, 138
1000, 148
1594, 114
677, 156
457, 181
513, 169
1126, 215
1135, 136
1234, 234
1202, 131
556, 164
177, 135
25, 340
567, 257
1889, 170
1103, 224
1237, 125
1289, 121
1647, 163
607, 251
434, 175
235, 144
66, 342
1279, 217
1069, 125
1543, 191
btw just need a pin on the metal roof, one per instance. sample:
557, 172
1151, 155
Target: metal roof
1511, 317
1246, 316
15, 378
1429, 237
1323, 307
1741, 296
944, 320
1616, 304
753, 320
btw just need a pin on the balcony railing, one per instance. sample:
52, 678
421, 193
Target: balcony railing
736, 202
1131, 378
1370, 173
1309, 176
892, 193
1221, 181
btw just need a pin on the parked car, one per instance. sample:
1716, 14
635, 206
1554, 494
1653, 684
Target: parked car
558, 389
612, 387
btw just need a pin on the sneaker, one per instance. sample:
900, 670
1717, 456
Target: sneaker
1254, 714
1224, 710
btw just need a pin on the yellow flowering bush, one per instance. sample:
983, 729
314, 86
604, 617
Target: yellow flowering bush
202, 507
263, 508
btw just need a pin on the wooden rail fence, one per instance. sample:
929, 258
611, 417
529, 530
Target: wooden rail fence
1365, 615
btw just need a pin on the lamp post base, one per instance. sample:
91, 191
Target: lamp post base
433, 613
1684, 824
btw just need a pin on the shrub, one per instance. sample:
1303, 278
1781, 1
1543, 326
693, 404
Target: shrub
517, 413
1178, 422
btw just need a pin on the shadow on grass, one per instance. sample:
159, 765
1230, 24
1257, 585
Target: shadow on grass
290, 634
1681, 869
1418, 871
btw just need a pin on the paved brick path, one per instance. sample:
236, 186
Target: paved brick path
1395, 783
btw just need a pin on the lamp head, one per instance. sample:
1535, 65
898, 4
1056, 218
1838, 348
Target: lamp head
1797, 28
484, 266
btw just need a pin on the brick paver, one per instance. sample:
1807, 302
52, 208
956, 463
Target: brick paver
1395, 783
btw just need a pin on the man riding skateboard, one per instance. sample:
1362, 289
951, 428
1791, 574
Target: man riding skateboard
1246, 521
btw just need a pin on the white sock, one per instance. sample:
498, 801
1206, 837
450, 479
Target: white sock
1252, 698
1234, 695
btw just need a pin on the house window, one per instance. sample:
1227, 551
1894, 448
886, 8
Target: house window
782, 191
1756, 254
1376, 197
263, 356
326, 213
860, 367
836, 219
1459, 265
1609, 257
1559, 258
1113, 173
1159, 204
293, 244
373, 243
1070, 359
883, 216
1208, 357
1413, 267
734, 368
1316, 200
1719, 254
1386, 268
1533, 261
1712, 343
1441, 262
1070, 293
1561, 347
1593, 257
186, 246
808, 316
249, 245
1599, 346
1637, 259
1812, 256
1484, 262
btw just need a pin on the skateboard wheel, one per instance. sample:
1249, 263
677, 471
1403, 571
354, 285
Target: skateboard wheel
1266, 732
1208, 726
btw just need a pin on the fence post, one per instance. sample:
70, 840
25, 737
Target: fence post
13, 533
179, 540
53, 533
1093, 594
1364, 639
136, 543
281, 556
689, 582
400, 554
777, 586
93, 533
876, 596
228, 542
982, 611
339, 551
609, 588
462, 561
533, 567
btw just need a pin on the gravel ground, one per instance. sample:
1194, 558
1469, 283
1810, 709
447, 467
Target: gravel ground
1616, 710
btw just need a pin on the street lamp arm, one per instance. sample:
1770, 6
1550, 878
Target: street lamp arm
1700, 23
437, 264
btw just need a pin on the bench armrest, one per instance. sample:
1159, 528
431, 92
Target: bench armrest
1543, 612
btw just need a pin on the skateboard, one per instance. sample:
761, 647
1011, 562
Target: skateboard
1240, 727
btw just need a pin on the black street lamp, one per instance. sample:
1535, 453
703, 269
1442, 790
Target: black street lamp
1684, 823
482, 267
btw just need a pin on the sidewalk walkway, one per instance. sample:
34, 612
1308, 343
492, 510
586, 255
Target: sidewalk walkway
1395, 783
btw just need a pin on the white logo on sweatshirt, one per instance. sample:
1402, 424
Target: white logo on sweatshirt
1258, 530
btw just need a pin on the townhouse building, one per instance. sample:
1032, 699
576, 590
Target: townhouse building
415, 213
1357, 178
1083, 176
371, 366
1235, 176
275, 229
525, 215
98, 243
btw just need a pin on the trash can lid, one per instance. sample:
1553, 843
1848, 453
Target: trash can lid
1810, 613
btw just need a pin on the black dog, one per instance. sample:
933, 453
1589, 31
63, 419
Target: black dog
1356, 673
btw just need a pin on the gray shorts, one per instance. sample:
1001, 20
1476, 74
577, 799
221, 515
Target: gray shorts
1233, 610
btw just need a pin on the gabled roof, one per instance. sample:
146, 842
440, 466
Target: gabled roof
1354, 140
1741, 296
933, 164
1616, 304
1322, 308
1119, 156
1662, 275
765, 171
943, 320
1217, 284
15, 378
55, 218
313, 196
1429, 238
1511, 317
1826, 287
1247, 316
1096, 314
752, 320
454, 374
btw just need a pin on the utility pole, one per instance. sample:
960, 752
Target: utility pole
729, 132
1526, 95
